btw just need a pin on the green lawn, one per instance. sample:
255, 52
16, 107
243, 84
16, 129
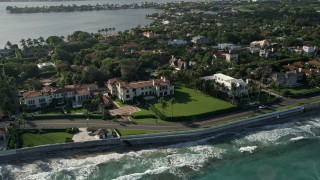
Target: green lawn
126, 132
288, 107
303, 89
55, 111
30, 139
119, 103
144, 111
189, 102
77, 111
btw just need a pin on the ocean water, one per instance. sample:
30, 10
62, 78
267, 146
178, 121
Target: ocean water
273, 152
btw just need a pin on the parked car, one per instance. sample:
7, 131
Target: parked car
263, 107
90, 133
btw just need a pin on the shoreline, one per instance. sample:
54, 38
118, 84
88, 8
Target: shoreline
124, 148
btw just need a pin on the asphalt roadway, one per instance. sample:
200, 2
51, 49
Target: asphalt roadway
170, 126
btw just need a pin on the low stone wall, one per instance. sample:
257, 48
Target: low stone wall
57, 149
313, 106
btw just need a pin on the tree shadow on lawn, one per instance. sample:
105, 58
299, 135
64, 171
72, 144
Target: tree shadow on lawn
182, 97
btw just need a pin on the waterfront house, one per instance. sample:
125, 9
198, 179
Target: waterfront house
227, 81
5, 52
148, 34
200, 40
43, 98
231, 57
178, 64
289, 78
177, 42
227, 46
309, 49
264, 53
126, 91
314, 64
260, 44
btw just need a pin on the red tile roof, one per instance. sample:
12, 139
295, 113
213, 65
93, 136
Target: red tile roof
106, 99
83, 91
64, 90
298, 64
314, 62
31, 94
139, 84
289, 67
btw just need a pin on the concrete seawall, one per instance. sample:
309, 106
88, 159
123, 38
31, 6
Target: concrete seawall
32, 153
58, 150
177, 137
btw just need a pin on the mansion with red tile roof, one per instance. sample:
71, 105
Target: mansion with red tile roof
314, 67
127, 91
42, 98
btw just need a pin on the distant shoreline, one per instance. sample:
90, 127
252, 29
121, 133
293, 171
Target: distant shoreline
41, 0
78, 8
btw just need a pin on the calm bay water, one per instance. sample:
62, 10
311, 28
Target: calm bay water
286, 151
14, 27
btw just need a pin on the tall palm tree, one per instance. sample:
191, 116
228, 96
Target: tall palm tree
163, 103
23, 43
29, 42
8, 45
41, 40
233, 91
36, 42
172, 101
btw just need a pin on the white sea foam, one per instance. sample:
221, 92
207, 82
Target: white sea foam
272, 133
297, 138
248, 149
135, 176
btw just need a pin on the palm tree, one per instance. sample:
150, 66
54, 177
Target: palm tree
172, 101
23, 43
29, 42
163, 103
8, 45
36, 42
259, 91
41, 40
233, 91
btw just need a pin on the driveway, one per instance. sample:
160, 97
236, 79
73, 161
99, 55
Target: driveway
124, 111
82, 135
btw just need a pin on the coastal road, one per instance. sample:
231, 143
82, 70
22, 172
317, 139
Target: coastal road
64, 123
170, 126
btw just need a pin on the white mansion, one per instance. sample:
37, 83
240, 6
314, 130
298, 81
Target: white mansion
227, 81
42, 99
127, 91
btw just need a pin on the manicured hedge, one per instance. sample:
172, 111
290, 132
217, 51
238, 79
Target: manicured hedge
193, 117
145, 116
67, 116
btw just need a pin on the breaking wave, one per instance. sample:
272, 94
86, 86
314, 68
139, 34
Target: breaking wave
178, 160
